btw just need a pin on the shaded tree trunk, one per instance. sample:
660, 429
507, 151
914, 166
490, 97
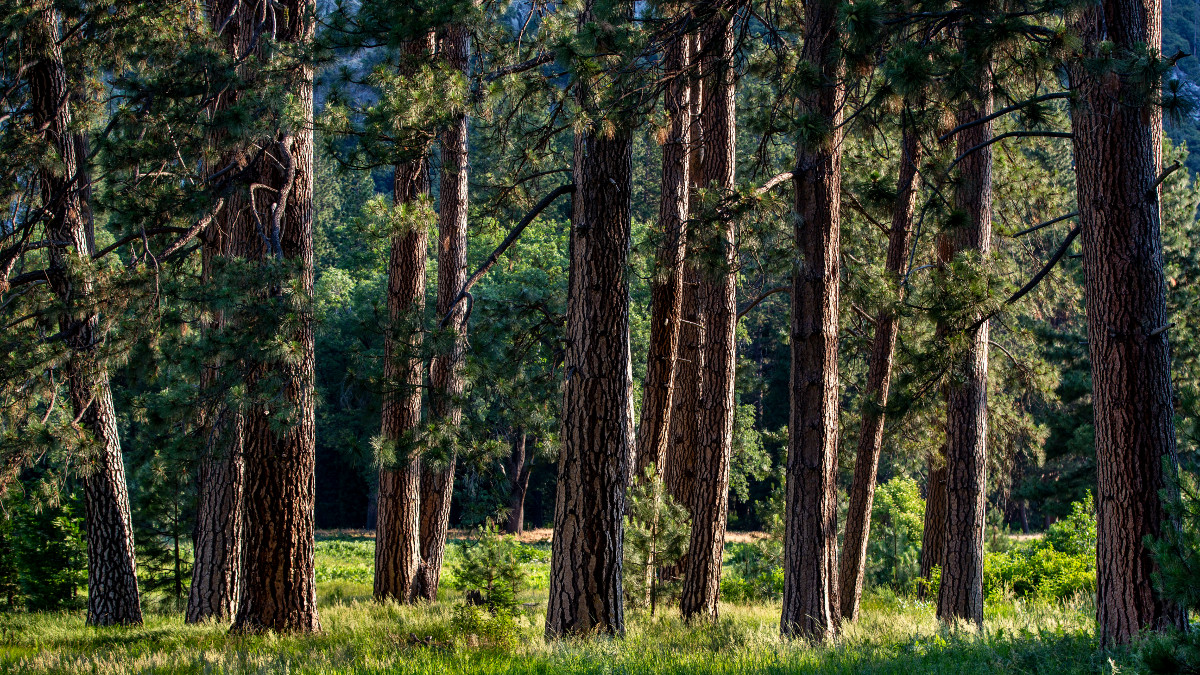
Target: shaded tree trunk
717, 298
279, 586
586, 553
112, 571
810, 589
933, 539
960, 594
879, 377
1117, 130
445, 370
518, 482
217, 542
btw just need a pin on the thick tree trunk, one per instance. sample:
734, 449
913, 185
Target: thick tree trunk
112, 571
586, 554
398, 529
879, 378
1117, 130
960, 595
518, 484
217, 541
810, 590
717, 297
933, 539
279, 585
445, 370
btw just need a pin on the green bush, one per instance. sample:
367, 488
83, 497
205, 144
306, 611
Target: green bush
1054, 568
656, 536
897, 524
477, 626
755, 572
50, 554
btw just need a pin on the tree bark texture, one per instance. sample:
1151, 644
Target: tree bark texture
666, 288
960, 595
1118, 144
717, 297
879, 377
279, 584
112, 571
445, 370
398, 528
586, 553
810, 590
217, 542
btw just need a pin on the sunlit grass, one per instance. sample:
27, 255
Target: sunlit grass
894, 635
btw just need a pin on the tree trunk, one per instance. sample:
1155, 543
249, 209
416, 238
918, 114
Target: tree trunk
518, 482
1117, 130
879, 377
586, 553
112, 571
717, 297
398, 530
933, 539
445, 370
666, 287
810, 590
217, 541
279, 587
679, 474
960, 595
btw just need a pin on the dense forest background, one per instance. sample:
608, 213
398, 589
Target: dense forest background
1042, 457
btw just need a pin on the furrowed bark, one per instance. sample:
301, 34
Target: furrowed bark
279, 584
666, 288
586, 554
217, 542
398, 530
810, 589
445, 370
960, 595
879, 377
112, 571
1118, 154
717, 297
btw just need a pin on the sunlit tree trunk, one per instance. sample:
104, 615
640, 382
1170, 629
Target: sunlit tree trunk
445, 371
1117, 128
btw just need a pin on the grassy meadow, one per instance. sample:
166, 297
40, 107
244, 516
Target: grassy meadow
894, 635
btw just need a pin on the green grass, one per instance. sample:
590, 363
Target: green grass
893, 635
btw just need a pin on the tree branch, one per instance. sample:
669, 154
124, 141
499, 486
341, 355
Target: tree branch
1001, 112
764, 296
1048, 223
508, 241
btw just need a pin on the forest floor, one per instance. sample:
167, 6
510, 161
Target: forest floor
893, 635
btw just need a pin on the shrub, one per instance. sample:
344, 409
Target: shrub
490, 570
656, 535
1054, 568
50, 554
1178, 551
